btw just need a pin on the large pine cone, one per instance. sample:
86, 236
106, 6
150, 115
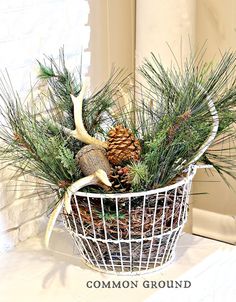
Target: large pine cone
122, 145
119, 177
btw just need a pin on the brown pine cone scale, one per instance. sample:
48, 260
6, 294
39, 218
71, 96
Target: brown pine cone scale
119, 177
122, 145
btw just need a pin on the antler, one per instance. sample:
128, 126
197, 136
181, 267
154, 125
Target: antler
80, 132
97, 178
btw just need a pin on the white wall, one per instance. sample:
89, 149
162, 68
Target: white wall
112, 38
159, 22
216, 25
29, 29
214, 21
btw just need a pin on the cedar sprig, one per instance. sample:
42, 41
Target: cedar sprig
29, 145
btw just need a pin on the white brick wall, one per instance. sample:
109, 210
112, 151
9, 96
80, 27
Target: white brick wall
29, 29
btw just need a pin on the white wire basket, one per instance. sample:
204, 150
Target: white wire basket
133, 233
141, 235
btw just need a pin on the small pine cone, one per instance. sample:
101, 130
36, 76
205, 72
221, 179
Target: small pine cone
21, 141
18, 138
172, 131
120, 179
175, 128
122, 145
64, 183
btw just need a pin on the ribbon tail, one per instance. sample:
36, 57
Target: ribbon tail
51, 222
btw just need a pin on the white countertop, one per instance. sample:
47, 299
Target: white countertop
32, 274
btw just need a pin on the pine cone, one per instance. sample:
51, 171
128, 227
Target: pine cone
175, 128
64, 183
21, 141
120, 179
122, 145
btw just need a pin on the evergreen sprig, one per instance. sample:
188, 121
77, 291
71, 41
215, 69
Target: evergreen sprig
63, 83
170, 144
169, 114
32, 141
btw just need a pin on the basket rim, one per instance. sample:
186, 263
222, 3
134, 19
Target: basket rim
191, 172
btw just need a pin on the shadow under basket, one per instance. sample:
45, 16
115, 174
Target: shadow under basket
131, 233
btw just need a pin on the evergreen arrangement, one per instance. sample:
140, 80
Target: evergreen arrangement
72, 139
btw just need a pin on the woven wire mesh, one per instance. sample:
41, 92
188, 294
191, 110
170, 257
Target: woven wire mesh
129, 233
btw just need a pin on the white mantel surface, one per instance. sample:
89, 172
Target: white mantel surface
31, 273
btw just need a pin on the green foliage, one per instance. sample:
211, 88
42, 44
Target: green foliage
67, 159
177, 121
32, 148
45, 72
33, 141
63, 83
169, 114
111, 216
139, 175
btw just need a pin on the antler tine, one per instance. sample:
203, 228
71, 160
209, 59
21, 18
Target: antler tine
80, 132
99, 178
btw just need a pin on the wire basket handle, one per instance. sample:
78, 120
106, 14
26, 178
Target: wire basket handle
212, 136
